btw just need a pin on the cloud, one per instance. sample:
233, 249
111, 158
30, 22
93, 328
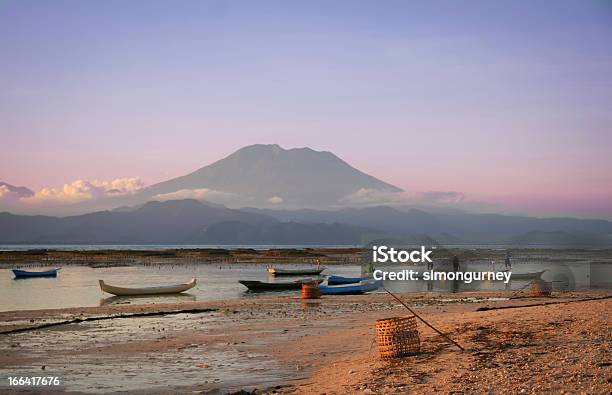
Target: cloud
123, 186
83, 190
441, 197
11, 193
370, 197
4, 191
275, 200
210, 195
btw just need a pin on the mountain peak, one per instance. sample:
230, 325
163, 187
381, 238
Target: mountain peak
270, 175
264, 149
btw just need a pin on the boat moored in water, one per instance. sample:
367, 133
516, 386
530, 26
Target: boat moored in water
337, 280
296, 272
260, 286
351, 289
155, 290
526, 276
19, 273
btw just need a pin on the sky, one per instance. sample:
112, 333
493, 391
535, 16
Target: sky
508, 103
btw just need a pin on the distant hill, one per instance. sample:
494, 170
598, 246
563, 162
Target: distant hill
191, 221
461, 228
284, 233
558, 238
170, 222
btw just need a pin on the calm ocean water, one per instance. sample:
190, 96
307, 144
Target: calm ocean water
77, 286
153, 247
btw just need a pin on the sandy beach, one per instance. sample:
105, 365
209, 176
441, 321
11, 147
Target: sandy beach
558, 344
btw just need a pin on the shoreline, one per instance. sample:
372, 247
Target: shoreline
306, 255
288, 345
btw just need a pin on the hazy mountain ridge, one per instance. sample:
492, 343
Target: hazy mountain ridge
285, 233
194, 222
461, 228
179, 221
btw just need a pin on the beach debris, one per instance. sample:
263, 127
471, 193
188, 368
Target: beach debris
422, 320
540, 288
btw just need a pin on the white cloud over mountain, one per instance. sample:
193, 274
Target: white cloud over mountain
375, 197
275, 200
210, 195
83, 190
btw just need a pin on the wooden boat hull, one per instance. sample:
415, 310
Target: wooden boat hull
337, 280
351, 289
527, 276
261, 286
296, 272
29, 274
158, 290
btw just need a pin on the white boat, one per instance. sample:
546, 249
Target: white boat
526, 276
296, 272
157, 290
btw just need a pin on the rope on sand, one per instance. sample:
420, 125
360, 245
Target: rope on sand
106, 317
486, 308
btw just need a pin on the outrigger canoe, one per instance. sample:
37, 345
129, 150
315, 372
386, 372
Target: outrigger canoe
336, 280
27, 274
260, 286
355, 289
157, 290
296, 272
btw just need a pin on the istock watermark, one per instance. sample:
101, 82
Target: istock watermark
383, 254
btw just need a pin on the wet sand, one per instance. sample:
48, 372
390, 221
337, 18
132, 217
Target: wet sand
287, 345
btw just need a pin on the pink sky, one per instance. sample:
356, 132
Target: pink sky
509, 106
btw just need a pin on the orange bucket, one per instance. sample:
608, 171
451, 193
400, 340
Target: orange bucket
311, 290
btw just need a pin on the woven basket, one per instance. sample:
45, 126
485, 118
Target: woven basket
397, 337
311, 290
540, 288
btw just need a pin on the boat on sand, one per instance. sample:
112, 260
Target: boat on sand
155, 290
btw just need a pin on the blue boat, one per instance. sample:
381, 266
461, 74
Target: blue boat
336, 280
28, 274
351, 289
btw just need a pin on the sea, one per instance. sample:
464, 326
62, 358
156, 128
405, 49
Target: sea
78, 286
